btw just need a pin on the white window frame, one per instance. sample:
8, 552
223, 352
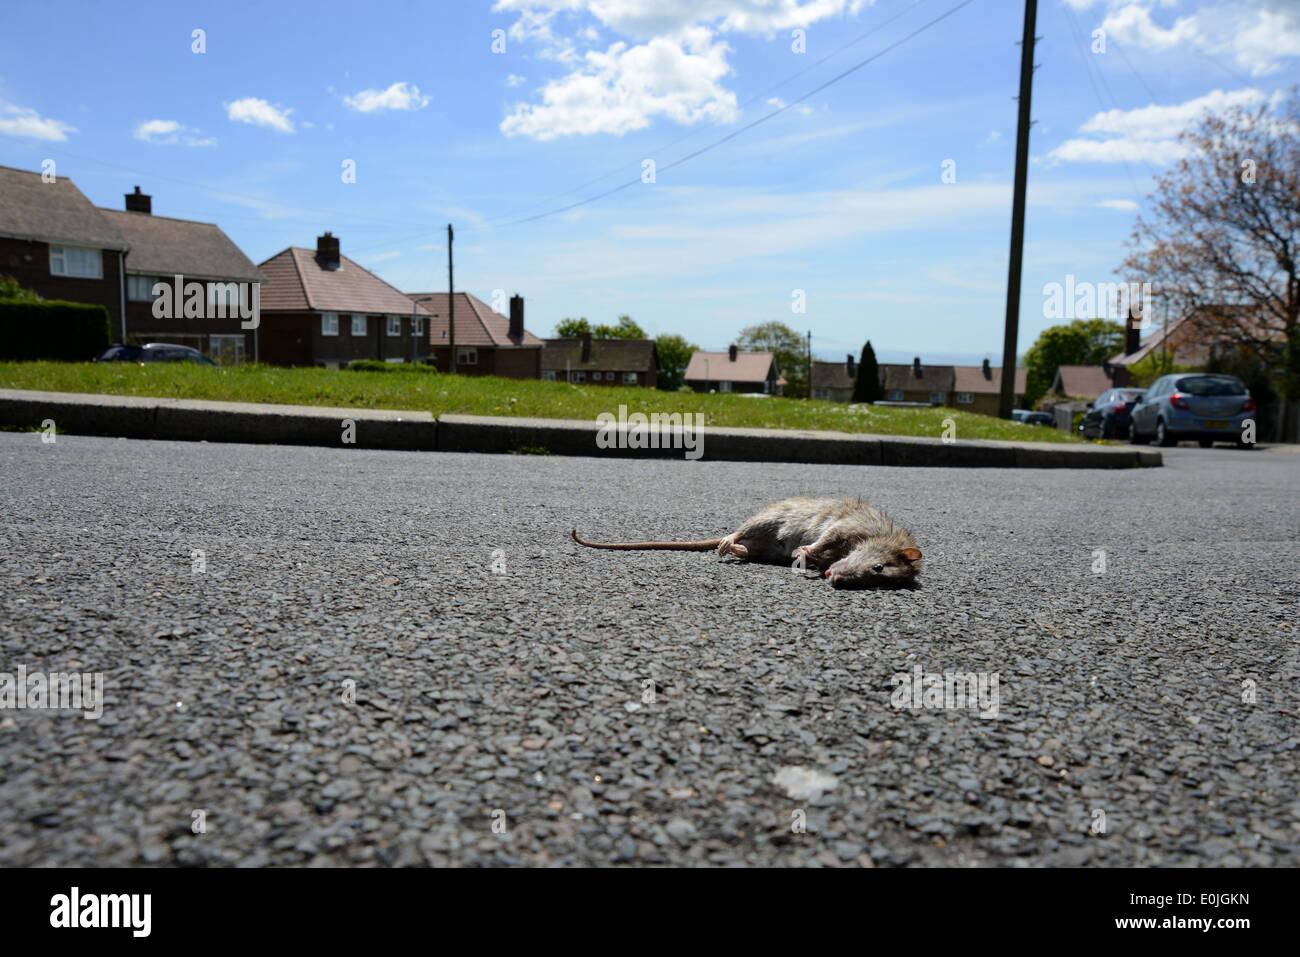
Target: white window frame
894, 395
629, 378
329, 323
86, 265
724, 386
417, 325
548, 375
394, 325
135, 284
965, 398
938, 398
466, 356
359, 321
579, 376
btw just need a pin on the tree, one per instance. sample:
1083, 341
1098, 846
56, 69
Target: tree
572, 328
674, 355
12, 291
1083, 342
626, 329
1225, 232
788, 347
866, 387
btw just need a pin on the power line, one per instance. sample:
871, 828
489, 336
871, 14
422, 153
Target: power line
749, 126
758, 96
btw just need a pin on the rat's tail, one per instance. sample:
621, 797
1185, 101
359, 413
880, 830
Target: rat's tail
671, 546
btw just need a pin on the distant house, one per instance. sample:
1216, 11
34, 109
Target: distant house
734, 371
54, 241
916, 383
487, 343
979, 388
1087, 382
603, 361
1191, 339
163, 248
834, 380
322, 309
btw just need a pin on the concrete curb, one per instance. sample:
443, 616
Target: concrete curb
196, 419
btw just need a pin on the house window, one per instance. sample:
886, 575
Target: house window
579, 377
895, 395
394, 325
226, 350
76, 261
965, 398
724, 386
629, 378
467, 357
329, 324
358, 325
140, 288
938, 398
548, 375
417, 325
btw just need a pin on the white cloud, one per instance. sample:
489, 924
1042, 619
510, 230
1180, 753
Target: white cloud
258, 112
1256, 37
515, 80
399, 96
623, 88
1123, 205
169, 132
1149, 133
23, 121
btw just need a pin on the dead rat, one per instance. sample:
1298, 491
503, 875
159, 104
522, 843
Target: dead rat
857, 546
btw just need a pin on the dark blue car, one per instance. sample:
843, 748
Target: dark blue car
1111, 415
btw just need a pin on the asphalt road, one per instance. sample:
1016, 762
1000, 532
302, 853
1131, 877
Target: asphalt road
583, 707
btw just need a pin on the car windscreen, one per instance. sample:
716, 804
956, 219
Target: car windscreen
1131, 394
1211, 385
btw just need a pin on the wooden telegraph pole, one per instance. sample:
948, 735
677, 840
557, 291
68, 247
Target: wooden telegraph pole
451, 305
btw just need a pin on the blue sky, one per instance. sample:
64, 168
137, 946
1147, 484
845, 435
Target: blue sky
840, 196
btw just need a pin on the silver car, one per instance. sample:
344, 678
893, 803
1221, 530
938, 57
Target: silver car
1193, 405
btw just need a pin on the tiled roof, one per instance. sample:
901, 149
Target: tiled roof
748, 367
903, 377
295, 282
1085, 382
607, 355
1190, 341
162, 246
971, 379
55, 212
476, 322
832, 375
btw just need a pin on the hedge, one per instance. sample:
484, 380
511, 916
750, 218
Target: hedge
376, 365
52, 329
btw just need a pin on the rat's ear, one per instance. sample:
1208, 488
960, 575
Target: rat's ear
911, 554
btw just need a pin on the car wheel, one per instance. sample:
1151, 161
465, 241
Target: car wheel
1163, 437
1205, 443
1135, 437
1107, 431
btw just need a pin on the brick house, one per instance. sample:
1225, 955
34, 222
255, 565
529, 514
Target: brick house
602, 361
834, 380
487, 343
322, 309
734, 371
979, 388
54, 241
163, 248
916, 383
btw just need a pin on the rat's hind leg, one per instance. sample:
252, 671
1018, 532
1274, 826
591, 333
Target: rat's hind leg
730, 546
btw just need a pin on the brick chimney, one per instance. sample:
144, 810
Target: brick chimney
139, 202
731, 353
327, 251
517, 318
1132, 335
586, 347
987, 370
853, 372
916, 366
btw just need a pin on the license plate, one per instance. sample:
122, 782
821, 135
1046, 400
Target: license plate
1214, 424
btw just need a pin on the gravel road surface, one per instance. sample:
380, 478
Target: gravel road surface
332, 657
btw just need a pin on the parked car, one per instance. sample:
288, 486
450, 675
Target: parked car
1038, 418
1110, 415
155, 352
1202, 406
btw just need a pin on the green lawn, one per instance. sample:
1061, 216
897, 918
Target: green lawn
485, 395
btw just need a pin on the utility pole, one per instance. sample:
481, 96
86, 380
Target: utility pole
451, 305
810, 363
1007, 399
